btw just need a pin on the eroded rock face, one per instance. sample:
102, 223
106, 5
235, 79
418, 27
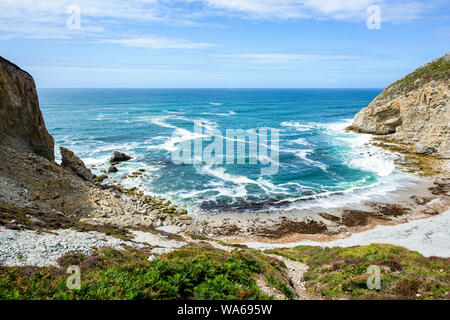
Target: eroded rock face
19, 110
76, 165
29, 176
414, 110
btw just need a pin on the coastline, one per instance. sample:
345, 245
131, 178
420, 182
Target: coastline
419, 195
426, 237
405, 204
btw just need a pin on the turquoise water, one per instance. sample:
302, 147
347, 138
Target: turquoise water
316, 156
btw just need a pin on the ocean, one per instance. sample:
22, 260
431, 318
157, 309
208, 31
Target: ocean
318, 162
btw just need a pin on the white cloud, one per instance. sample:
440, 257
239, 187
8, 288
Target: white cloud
285, 57
160, 43
104, 69
105, 18
348, 10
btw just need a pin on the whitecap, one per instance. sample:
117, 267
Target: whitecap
229, 113
297, 125
300, 141
303, 154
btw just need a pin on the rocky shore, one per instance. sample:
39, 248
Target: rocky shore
32, 179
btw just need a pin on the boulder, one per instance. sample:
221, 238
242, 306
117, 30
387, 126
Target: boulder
76, 165
112, 169
119, 157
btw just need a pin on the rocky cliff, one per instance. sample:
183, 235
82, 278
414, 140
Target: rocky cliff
19, 110
414, 110
29, 176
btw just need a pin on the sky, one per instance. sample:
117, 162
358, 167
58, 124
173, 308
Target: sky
222, 43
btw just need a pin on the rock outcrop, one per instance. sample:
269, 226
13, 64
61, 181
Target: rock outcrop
71, 162
414, 110
30, 178
20, 115
118, 157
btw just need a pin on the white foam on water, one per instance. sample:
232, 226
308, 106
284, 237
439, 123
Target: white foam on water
209, 126
179, 135
298, 126
239, 191
220, 173
303, 154
300, 141
229, 113
361, 154
174, 112
215, 103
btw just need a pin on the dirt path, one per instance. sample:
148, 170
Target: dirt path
295, 272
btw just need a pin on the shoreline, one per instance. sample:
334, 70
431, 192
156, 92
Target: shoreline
403, 198
425, 237
323, 225
418, 196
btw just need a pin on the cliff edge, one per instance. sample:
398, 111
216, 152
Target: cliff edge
30, 178
414, 110
19, 110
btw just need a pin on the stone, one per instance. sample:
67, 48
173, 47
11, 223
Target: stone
119, 157
100, 178
157, 224
112, 169
76, 165
430, 211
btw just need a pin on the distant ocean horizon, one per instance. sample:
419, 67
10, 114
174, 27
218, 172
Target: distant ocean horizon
318, 160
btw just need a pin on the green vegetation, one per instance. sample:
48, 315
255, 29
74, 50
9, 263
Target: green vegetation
337, 273
195, 272
280, 285
435, 70
203, 272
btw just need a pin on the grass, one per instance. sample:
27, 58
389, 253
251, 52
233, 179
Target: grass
435, 70
341, 273
195, 272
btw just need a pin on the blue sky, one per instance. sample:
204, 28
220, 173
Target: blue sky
222, 43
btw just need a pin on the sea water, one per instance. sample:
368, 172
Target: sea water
318, 161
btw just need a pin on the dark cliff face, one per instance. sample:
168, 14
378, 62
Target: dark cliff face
20, 116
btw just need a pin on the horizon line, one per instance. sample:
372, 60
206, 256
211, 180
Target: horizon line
222, 88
